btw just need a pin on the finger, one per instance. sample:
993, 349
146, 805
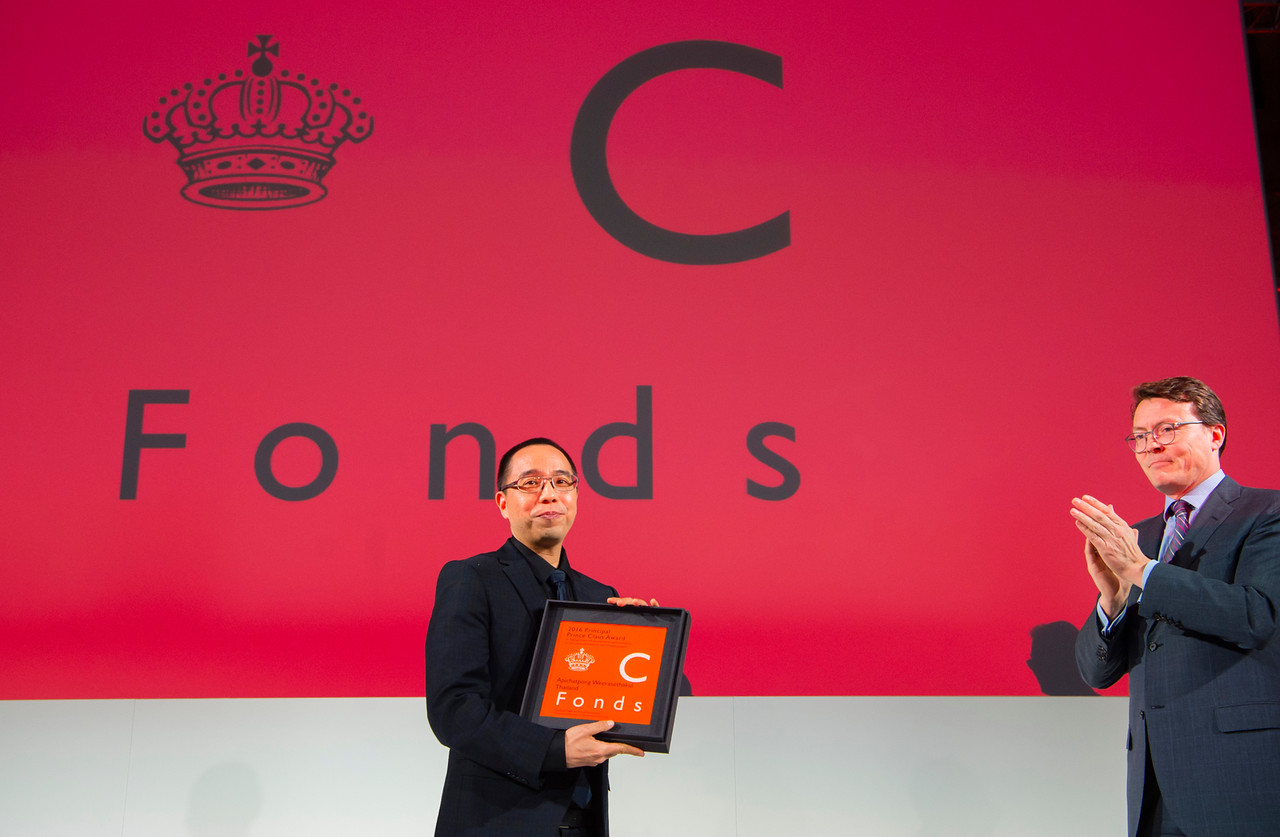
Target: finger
1082, 509
1084, 503
1100, 513
625, 750
1094, 502
596, 728
1106, 509
1102, 528
653, 603
622, 601
1088, 526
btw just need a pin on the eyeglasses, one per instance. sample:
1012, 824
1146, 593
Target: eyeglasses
562, 483
1162, 435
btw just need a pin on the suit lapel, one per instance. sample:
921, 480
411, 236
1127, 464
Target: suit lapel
523, 579
1217, 508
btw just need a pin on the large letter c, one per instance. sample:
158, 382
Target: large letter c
622, 668
587, 158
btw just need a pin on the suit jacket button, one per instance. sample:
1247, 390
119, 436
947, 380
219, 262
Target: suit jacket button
1151, 646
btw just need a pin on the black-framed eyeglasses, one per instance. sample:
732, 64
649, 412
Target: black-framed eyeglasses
562, 483
1163, 435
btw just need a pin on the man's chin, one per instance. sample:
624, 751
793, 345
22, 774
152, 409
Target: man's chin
1165, 486
549, 534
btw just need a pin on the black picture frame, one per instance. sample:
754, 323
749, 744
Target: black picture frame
654, 736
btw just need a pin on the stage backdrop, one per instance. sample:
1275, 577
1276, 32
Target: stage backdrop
838, 305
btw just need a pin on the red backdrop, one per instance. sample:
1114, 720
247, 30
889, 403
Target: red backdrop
1001, 218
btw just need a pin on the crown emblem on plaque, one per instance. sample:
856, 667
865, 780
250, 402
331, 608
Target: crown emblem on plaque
580, 660
264, 139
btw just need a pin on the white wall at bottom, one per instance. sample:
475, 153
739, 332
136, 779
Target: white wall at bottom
739, 767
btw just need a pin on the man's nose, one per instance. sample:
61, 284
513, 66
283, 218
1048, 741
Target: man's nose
547, 488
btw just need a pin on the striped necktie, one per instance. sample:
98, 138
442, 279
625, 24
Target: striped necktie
1180, 511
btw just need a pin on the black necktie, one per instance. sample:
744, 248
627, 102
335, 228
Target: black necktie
582, 786
558, 581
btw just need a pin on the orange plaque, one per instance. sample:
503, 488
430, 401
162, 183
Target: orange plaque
607, 663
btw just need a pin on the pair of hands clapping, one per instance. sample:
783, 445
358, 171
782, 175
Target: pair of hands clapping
1111, 552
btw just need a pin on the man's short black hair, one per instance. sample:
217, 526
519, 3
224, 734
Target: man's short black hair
505, 462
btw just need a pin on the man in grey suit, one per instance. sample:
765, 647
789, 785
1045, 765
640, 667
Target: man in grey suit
1187, 606
509, 777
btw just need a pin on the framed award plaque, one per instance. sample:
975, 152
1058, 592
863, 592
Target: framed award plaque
601, 662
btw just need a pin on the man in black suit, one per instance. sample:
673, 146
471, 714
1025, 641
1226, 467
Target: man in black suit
507, 776
1188, 606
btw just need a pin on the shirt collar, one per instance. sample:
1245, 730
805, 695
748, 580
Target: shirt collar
541, 569
1197, 495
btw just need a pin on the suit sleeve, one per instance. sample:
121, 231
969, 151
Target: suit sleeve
1102, 660
1241, 612
461, 704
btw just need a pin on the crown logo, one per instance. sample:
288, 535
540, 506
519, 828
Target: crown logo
259, 141
580, 660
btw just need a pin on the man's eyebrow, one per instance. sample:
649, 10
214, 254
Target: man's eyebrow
535, 473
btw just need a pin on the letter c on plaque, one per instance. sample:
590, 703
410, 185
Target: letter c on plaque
622, 668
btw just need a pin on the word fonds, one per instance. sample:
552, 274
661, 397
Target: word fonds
641, 431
